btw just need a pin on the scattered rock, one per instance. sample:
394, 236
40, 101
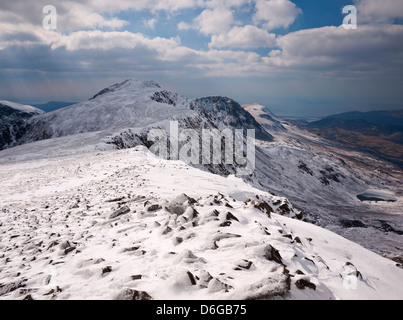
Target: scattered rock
285, 209
68, 250
230, 216
154, 207
7, 288
244, 265
166, 230
264, 207
133, 295
302, 284
137, 277
216, 285
273, 255
115, 200
192, 278
120, 212
225, 224
205, 279
107, 269
131, 249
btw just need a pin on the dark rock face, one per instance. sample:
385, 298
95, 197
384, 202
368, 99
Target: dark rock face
12, 125
352, 224
165, 97
229, 113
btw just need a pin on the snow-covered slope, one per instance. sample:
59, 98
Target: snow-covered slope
265, 117
321, 180
125, 225
20, 107
13, 117
324, 181
130, 104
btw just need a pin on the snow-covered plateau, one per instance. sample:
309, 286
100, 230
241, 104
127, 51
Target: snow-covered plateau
126, 225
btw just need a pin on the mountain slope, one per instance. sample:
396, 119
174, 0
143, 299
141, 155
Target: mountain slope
265, 117
53, 105
319, 179
129, 104
324, 180
388, 117
125, 225
13, 117
226, 112
380, 133
140, 104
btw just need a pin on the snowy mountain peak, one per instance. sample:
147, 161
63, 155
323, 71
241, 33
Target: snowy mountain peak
265, 117
127, 86
20, 107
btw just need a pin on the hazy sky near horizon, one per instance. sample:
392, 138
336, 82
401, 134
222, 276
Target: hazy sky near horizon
292, 56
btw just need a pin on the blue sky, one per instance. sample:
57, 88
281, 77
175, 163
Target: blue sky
292, 56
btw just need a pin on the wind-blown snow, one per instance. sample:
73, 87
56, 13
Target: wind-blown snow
123, 224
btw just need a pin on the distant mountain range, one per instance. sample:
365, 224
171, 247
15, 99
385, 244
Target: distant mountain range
377, 132
53, 105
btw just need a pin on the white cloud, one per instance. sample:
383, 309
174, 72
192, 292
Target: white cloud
214, 21
184, 26
379, 11
367, 49
150, 23
274, 14
247, 37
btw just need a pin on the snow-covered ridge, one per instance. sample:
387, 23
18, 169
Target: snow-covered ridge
265, 117
125, 225
130, 104
20, 107
129, 85
225, 112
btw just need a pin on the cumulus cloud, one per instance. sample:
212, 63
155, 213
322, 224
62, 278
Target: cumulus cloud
384, 11
214, 21
272, 14
247, 37
96, 42
367, 49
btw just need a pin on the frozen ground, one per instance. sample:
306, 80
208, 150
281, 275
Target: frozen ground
118, 225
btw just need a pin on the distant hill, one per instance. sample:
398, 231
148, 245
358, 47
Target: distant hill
53, 105
387, 118
377, 132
